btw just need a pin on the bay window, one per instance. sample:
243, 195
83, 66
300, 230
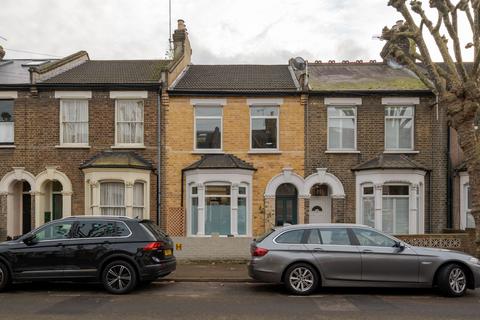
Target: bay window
264, 127
399, 127
112, 199
342, 128
129, 122
194, 210
242, 210
6, 122
74, 122
208, 127
217, 209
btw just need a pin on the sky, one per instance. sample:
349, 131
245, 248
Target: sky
221, 31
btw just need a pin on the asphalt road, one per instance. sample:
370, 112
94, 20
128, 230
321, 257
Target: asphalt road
208, 300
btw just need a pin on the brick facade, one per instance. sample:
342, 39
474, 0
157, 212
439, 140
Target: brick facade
430, 137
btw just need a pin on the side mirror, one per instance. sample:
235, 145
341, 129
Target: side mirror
30, 239
400, 245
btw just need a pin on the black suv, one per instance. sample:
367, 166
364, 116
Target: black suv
120, 252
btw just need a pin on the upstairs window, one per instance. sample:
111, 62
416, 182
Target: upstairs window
264, 127
208, 127
129, 122
6, 122
74, 122
399, 128
342, 128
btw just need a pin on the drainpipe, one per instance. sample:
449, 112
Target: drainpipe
159, 151
449, 184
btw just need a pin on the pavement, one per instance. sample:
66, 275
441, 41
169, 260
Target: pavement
219, 300
205, 271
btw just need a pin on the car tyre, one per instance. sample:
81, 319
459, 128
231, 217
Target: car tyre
119, 277
4, 277
301, 279
452, 280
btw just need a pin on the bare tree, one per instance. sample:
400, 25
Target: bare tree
455, 82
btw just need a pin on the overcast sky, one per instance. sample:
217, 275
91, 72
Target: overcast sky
221, 31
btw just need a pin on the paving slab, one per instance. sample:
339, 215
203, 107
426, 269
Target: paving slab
210, 272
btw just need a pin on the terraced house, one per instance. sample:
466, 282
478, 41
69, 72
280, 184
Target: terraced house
233, 133
81, 136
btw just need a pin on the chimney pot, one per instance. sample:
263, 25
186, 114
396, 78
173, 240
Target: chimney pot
181, 24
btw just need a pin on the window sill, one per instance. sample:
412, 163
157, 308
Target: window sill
126, 146
7, 146
342, 151
72, 146
208, 152
266, 151
401, 151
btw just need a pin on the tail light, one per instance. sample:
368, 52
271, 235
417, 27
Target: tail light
259, 252
153, 246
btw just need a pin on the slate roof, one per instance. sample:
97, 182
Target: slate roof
117, 159
236, 78
15, 71
390, 161
112, 72
339, 77
219, 161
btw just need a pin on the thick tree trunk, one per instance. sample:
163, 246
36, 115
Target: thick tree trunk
468, 140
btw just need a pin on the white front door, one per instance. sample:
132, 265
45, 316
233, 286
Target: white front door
320, 209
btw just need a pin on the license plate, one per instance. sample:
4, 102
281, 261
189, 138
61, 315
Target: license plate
167, 252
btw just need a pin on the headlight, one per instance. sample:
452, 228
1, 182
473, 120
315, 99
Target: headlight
474, 260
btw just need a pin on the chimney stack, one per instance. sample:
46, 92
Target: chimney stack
180, 37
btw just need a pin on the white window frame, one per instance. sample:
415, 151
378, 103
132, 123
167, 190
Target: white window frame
129, 145
277, 117
144, 199
7, 144
62, 143
394, 207
124, 196
363, 196
229, 196
354, 107
412, 142
195, 117
246, 197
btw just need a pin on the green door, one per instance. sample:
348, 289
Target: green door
286, 205
57, 206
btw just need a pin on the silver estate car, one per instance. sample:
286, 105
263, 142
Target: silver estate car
304, 257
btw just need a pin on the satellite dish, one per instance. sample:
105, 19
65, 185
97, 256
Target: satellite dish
299, 63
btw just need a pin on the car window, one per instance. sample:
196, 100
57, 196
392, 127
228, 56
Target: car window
154, 229
314, 237
292, 237
335, 236
56, 231
373, 238
100, 229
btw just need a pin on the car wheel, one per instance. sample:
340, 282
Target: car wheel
4, 277
119, 277
301, 279
452, 280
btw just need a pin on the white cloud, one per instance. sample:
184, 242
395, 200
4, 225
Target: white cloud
222, 31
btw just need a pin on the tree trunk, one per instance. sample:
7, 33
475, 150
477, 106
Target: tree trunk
467, 138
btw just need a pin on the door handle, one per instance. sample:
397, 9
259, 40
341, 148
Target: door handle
367, 251
318, 249
60, 245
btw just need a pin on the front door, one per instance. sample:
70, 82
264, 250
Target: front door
320, 209
57, 206
26, 213
285, 210
382, 261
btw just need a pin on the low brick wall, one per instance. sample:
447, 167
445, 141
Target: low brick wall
461, 241
212, 248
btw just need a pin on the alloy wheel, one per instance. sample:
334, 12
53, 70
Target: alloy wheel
301, 279
1, 276
457, 280
118, 277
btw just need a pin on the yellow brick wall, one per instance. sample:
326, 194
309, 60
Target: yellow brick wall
179, 139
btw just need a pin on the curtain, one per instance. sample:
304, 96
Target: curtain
242, 216
368, 211
194, 224
138, 200
129, 121
6, 132
75, 121
112, 198
217, 218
